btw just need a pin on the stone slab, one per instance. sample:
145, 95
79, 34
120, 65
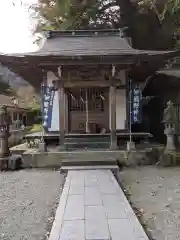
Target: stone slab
74, 207
121, 229
107, 188
72, 230
96, 225
77, 185
96, 229
92, 196
91, 181
114, 207
76, 189
92, 211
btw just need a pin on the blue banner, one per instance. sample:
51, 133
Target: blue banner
136, 103
47, 97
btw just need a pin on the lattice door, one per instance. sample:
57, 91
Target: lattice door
87, 104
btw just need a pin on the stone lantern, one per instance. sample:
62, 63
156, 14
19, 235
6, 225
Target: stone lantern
169, 120
4, 132
4, 135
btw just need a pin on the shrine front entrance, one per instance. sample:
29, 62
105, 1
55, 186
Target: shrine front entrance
88, 110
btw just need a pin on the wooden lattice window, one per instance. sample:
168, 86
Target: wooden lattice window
94, 96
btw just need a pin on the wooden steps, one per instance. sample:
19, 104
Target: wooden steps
87, 142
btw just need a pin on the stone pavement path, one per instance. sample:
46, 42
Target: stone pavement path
93, 207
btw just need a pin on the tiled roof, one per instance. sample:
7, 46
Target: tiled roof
84, 44
7, 101
87, 43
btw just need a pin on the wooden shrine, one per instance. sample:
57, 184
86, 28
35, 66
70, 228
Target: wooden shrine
90, 71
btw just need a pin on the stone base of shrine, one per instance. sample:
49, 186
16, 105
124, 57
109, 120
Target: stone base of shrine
92, 141
83, 150
32, 158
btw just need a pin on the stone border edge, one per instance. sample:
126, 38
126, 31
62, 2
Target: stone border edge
57, 223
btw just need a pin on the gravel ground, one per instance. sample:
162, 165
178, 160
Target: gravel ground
28, 200
155, 192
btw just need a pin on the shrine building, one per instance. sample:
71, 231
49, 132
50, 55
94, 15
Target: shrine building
91, 82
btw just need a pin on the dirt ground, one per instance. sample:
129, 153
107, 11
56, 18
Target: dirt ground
155, 192
28, 200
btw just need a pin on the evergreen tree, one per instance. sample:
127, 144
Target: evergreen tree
152, 24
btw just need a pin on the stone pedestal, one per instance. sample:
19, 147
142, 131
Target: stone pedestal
4, 146
169, 132
131, 146
167, 159
7, 161
146, 144
61, 148
14, 162
113, 144
170, 143
3, 164
42, 147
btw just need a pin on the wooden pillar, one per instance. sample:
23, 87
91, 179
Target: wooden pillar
66, 112
112, 99
61, 113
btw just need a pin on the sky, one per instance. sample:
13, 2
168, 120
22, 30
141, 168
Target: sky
15, 25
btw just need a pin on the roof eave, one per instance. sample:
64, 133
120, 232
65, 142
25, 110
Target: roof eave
138, 55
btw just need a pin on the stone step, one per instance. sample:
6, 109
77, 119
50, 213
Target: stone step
86, 162
91, 156
107, 167
87, 139
89, 159
88, 142
88, 145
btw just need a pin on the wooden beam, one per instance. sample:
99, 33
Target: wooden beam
79, 84
97, 83
92, 60
123, 65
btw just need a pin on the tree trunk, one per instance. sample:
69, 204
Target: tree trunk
128, 13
